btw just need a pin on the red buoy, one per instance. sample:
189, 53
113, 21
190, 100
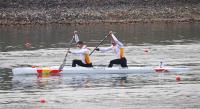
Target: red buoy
33, 66
42, 101
146, 50
28, 45
178, 78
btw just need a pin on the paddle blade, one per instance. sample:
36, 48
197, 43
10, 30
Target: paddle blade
63, 64
64, 61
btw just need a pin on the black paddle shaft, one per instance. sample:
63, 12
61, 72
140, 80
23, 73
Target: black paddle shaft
99, 44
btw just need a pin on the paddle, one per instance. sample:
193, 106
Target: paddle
99, 44
64, 61
76, 39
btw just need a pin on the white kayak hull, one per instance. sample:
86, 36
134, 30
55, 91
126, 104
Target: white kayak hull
97, 70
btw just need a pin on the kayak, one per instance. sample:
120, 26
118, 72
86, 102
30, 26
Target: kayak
54, 70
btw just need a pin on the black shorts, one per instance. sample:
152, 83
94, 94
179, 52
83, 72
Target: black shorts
122, 62
80, 63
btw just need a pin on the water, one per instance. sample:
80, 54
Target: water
177, 45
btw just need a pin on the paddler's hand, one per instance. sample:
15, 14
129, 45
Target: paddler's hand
110, 33
97, 49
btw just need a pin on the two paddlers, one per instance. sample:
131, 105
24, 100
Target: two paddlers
116, 46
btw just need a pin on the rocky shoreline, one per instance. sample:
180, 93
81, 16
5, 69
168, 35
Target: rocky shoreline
101, 11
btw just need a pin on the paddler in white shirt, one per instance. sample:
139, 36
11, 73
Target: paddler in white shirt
84, 55
118, 49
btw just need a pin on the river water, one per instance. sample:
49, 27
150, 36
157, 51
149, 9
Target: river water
175, 44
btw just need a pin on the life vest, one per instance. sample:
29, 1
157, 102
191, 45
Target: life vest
122, 53
87, 59
119, 51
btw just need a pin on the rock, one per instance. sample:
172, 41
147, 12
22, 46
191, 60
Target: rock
86, 11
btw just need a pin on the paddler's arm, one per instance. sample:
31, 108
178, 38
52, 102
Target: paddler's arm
78, 52
104, 49
113, 38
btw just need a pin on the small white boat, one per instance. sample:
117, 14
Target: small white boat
96, 70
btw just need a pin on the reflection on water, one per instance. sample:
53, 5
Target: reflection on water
174, 44
31, 83
43, 36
